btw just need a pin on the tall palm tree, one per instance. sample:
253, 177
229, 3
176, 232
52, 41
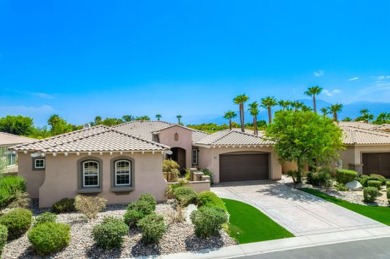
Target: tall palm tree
127, 118
254, 111
229, 115
296, 105
313, 91
325, 111
158, 116
382, 118
283, 104
179, 119
336, 108
365, 116
268, 103
240, 100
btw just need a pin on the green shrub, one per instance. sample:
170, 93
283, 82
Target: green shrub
109, 234
208, 221
138, 210
370, 194
50, 237
374, 183
363, 180
321, 179
210, 199
9, 187
378, 177
388, 195
345, 176
149, 199
20, 200
152, 227
17, 221
89, 205
209, 173
3, 237
64, 205
341, 187
387, 184
45, 217
185, 196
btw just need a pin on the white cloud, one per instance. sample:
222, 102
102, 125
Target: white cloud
381, 78
331, 93
353, 78
319, 73
42, 95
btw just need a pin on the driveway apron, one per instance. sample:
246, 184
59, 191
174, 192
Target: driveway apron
299, 212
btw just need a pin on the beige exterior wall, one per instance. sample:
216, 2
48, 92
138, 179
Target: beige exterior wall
353, 159
62, 178
167, 137
209, 158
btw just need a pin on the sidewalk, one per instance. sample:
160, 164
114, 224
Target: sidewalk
286, 244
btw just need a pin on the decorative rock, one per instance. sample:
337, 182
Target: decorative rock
354, 186
190, 208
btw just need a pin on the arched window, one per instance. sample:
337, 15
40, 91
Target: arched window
90, 174
122, 173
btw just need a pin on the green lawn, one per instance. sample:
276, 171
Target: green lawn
248, 224
381, 214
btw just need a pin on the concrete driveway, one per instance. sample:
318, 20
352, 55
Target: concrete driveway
299, 212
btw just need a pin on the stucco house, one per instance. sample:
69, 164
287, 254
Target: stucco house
7, 140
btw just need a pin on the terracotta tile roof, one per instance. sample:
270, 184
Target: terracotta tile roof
357, 124
94, 139
234, 138
146, 129
7, 139
353, 135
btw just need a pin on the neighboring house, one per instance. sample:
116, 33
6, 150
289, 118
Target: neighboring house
10, 157
97, 161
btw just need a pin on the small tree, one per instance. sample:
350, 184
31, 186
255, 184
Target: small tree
304, 137
229, 115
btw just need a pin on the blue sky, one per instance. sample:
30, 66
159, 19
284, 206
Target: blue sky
80, 59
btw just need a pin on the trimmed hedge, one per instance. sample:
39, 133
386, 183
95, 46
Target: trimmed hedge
374, 183
363, 180
210, 199
17, 221
45, 217
345, 176
3, 237
321, 179
152, 227
50, 237
378, 177
185, 196
387, 184
9, 187
64, 205
208, 221
370, 194
109, 234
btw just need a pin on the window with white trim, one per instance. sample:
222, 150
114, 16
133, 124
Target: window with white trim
39, 163
90, 173
11, 158
122, 173
194, 156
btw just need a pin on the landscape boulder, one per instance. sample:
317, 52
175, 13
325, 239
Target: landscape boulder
354, 186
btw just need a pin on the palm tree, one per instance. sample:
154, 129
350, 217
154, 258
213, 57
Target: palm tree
240, 100
179, 119
313, 91
365, 116
254, 111
229, 115
158, 116
285, 105
268, 103
336, 108
296, 105
325, 111
127, 118
98, 120
382, 118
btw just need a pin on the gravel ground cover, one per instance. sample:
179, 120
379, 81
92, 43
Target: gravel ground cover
179, 237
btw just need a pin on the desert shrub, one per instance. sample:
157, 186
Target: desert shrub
370, 194
20, 200
345, 176
378, 177
208, 221
363, 180
109, 234
149, 199
185, 196
321, 179
209, 173
10, 186
171, 167
17, 221
341, 187
138, 210
374, 183
64, 205
388, 195
45, 217
3, 237
387, 184
210, 199
50, 237
152, 227
187, 176
89, 205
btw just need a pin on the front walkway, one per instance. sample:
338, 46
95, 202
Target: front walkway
300, 213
